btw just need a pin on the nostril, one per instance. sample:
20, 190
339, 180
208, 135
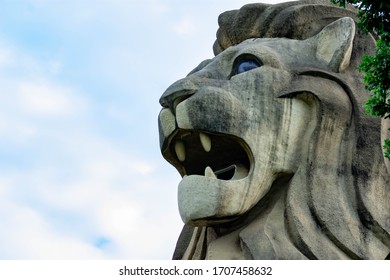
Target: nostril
164, 102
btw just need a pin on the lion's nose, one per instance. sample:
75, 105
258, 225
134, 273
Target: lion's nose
176, 93
184, 88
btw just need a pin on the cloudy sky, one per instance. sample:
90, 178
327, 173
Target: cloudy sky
81, 174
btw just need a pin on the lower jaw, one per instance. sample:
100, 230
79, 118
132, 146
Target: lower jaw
206, 201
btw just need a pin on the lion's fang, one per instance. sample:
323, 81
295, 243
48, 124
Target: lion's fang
208, 172
206, 141
180, 150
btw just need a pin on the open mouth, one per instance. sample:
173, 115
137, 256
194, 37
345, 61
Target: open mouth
215, 156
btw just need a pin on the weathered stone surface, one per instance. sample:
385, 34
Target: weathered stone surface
277, 157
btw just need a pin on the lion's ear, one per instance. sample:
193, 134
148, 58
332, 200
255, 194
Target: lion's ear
334, 43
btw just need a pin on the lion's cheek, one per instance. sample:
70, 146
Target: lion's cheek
283, 138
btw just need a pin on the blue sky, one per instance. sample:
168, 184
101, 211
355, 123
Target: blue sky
81, 174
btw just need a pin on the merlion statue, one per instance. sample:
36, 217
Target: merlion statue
278, 159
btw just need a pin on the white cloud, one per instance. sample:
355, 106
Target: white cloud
185, 26
26, 234
14, 129
4, 57
158, 7
48, 99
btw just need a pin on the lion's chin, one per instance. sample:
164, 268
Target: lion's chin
206, 201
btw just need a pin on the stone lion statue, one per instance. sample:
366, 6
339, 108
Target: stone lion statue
278, 159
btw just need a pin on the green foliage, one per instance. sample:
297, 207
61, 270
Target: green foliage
374, 16
376, 70
386, 146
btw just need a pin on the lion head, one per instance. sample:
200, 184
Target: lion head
277, 158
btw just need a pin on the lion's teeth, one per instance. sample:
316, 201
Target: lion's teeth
208, 172
180, 151
206, 141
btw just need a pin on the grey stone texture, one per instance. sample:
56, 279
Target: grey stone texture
278, 159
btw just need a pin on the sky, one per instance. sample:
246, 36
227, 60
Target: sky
81, 173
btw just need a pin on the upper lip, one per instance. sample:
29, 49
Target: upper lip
212, 155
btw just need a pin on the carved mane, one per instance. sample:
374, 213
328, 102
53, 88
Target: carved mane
337, 204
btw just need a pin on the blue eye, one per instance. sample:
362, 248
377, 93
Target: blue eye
246, 65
